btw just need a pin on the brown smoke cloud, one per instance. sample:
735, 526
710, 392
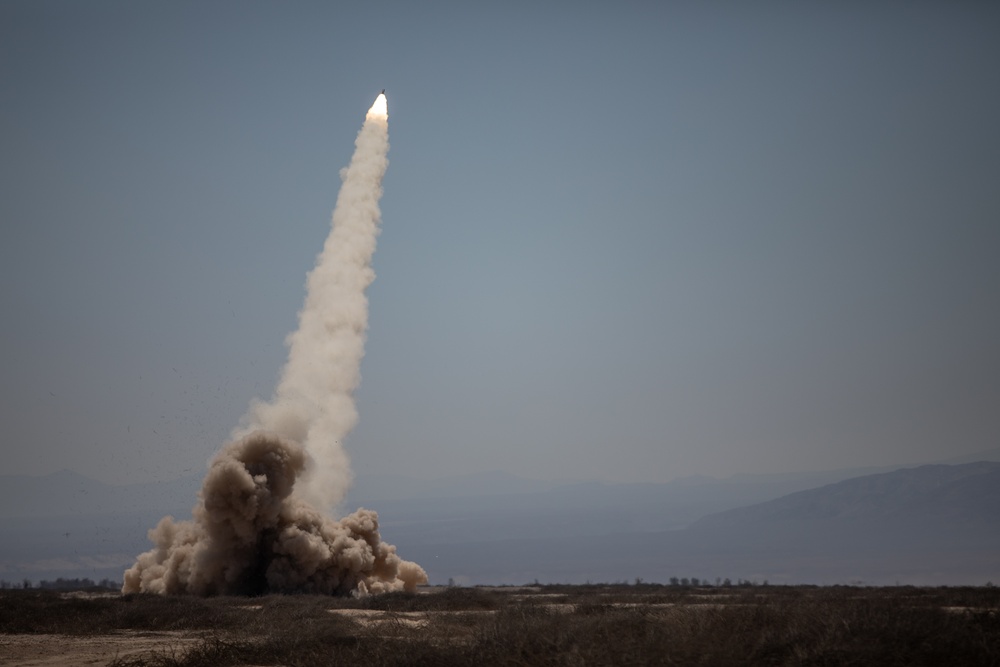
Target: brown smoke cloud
249, 535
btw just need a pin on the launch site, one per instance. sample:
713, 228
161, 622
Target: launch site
627, 334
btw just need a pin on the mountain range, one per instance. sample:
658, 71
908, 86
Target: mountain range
933, 524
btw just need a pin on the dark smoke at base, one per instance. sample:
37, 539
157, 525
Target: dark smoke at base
250, 536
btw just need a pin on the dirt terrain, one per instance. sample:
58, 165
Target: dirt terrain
555, 625
76, 651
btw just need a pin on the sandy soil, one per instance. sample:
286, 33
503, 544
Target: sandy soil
372, 618
74, 651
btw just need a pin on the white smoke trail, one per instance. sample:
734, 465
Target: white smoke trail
262, 520
313, 403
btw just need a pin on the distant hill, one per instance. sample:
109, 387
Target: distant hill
934, 524
930, 524
496, 506
927, 495
67, 525
67, 493
984, 455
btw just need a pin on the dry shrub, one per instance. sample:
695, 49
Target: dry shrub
461, 626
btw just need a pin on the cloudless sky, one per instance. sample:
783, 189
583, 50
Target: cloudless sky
621, 240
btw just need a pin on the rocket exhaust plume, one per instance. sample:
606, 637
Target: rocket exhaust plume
313, 403
262, 521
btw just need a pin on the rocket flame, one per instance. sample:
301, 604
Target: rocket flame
380, 108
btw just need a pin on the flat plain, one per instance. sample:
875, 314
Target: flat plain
600, 624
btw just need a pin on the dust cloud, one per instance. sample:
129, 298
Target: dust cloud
250, 535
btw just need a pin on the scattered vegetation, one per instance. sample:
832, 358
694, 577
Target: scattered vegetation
640, 624
76, 584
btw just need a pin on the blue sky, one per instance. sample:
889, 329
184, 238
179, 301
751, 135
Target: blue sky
625, 241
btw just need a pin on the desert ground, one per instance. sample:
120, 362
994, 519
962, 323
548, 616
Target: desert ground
615, 624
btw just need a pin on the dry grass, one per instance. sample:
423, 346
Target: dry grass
553, 625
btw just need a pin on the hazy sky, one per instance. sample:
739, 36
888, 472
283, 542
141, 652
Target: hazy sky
621, 240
